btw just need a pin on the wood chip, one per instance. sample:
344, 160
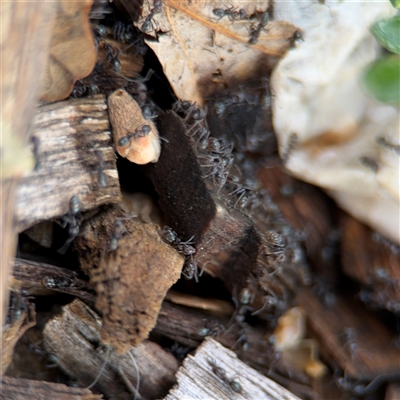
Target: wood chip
74, 155
78, 328
215, 372
128, 263
22, 389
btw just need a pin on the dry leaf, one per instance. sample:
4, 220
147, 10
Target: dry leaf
72, 50
201, 52
335, 137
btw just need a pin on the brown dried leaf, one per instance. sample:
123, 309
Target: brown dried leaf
72, 50
200, 52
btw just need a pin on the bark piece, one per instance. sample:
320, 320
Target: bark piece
129, 264
351, 336
72, 142
40, 279
135, 138
23, 389
374, 262
78, 328
12, 333
215, 372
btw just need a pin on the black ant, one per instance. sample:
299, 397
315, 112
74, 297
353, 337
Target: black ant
112, 55
73, 219
148, 23
148, 112
123, 32
142, 131
190, 269
295, 38
255, 30
230, 12
221, 374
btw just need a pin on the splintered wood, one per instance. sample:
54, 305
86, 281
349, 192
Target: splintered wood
74, 157
42, 279
22, 389
128, 264
78, 328
215, 372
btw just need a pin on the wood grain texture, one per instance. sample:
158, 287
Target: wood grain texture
67, 136
22, 389
215, 372
78, 328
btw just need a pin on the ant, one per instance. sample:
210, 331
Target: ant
113, 57
190, 269
221, 374
73, 219
255, 30
230, 12
295, 38
148, 113
148, 23
123, 32
142, 131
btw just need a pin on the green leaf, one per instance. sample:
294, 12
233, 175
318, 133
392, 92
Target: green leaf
395, 3
387, 33
382, 78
